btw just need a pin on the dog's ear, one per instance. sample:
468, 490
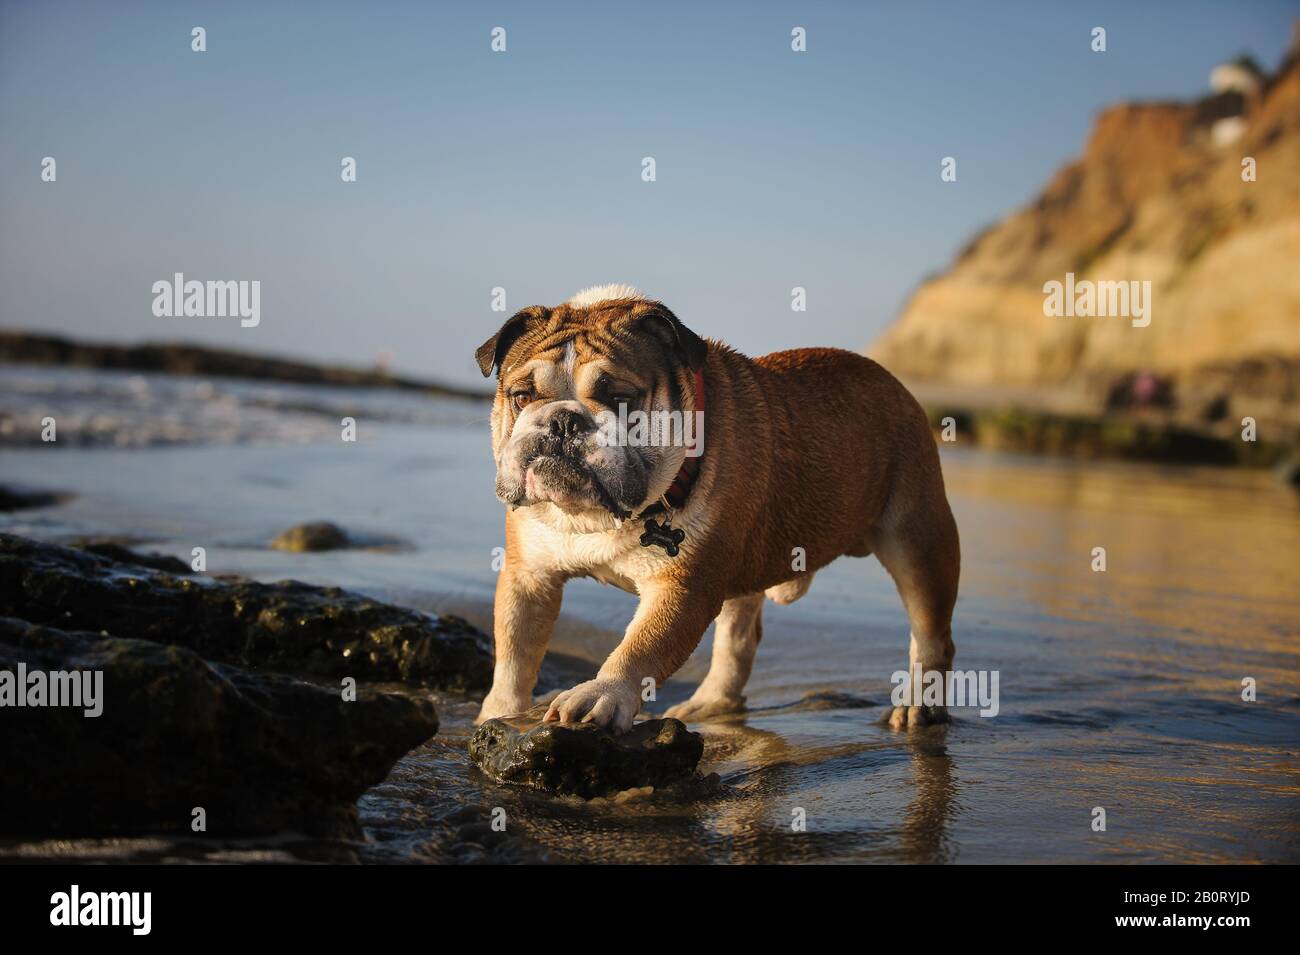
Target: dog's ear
691, 348
492, 351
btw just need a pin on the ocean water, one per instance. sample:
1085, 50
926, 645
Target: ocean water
1119, 690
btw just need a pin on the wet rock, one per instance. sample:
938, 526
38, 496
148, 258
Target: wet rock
323, 535
116, 551
258, 752
583, 759
315, 536
17, 499
285, 625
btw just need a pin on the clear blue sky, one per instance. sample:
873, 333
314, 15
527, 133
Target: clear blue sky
522, 169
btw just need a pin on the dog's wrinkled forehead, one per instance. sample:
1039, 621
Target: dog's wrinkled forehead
566, 360
597, 331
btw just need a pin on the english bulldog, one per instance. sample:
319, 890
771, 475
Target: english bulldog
751, 474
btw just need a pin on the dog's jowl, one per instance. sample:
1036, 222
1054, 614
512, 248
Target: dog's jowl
816, 451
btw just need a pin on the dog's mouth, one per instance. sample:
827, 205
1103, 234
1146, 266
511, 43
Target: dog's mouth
566, 483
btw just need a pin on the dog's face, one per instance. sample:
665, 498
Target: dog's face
567, 376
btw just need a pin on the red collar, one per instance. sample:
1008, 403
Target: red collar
681, 486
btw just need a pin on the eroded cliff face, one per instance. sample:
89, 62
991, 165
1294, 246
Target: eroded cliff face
1151, 199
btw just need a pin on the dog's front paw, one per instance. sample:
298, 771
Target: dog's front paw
904, 717
703, 707
610, 703
497, 705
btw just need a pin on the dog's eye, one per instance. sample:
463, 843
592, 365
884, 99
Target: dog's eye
518, 399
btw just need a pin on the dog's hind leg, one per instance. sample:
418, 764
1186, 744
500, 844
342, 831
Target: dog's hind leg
924, 558
735, 642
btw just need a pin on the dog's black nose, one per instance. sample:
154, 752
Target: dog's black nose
567, 423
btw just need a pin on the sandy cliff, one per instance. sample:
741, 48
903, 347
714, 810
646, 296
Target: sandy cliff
1158, 195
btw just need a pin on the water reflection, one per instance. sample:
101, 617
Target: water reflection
925, 836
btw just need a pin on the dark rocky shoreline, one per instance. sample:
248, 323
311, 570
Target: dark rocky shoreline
288, 626
203, 701
256, 752
176, 358
1152, 438
232, 696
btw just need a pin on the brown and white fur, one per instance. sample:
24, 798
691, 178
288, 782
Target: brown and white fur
816, 449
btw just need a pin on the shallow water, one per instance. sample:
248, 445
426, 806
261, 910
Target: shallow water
1119, 690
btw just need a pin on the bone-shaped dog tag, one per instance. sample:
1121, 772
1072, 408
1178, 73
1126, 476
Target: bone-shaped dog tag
665, 536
